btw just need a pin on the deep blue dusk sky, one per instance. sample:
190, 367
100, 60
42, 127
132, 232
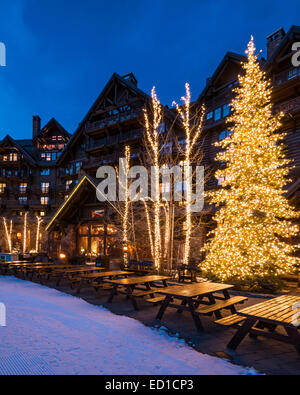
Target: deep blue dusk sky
60, 53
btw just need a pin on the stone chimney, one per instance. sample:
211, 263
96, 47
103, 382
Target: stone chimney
274, 40
36, 126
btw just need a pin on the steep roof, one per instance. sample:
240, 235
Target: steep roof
288, 38
53, 123
67, 204
20, 145
229, 57
128, 82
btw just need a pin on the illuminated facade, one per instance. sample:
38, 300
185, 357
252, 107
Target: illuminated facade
58, 182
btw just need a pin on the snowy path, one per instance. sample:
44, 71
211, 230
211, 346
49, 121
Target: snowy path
49, 332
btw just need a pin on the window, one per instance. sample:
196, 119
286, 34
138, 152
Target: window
182, 144
78, 166
23, 187
165, 188
13, 157
2, 188
44, 201
226, 133
42, 214
293, 73
181, 186
45, 186
162, 128
68, 184
226, 110
167, 148
46, 156
45, 172
210, 115
218, 114
221, 180
22, 199
97, 213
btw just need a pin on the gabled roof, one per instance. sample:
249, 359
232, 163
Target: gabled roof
15, 143
53, 123
128, 82
85, 180
288, 38
229, 57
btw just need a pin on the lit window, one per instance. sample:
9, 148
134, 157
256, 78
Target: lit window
13, 157
223, 135
46, 156
218, 114
162, 128
226, 110
42, 213
165, 188
23, 187
98, 213
78, 166
44, 201
293, 73
22, 199
68, 184
45, 186
221, 180
210, 115
2, 188
167, 148
45, 172
181, 186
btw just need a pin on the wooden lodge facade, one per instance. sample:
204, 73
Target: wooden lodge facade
62, 188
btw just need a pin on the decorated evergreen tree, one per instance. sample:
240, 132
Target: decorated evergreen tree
251, 243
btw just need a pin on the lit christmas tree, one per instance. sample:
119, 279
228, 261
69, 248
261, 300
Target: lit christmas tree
251, 243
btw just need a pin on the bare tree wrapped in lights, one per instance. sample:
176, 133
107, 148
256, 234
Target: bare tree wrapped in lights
192, 126
250, 243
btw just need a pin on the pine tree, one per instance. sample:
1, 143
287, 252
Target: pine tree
251, 243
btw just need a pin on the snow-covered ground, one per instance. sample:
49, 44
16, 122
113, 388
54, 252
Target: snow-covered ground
49, 332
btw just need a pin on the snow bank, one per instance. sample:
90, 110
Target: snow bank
49, 332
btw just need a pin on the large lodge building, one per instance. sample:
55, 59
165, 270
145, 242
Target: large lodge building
53, 175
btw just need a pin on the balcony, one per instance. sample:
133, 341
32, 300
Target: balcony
288, 106
104, 160
113, 120
286, 76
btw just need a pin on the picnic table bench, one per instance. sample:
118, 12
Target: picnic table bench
190, 298
137, 287
69, 274
97, 279
262, 320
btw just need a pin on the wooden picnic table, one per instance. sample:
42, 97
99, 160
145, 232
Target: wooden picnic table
133, 284
96, 279
40, 270
69, 274
190, 298
262, 320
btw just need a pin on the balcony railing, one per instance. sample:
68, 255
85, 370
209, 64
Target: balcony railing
286, 76
288, 106
113, 120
